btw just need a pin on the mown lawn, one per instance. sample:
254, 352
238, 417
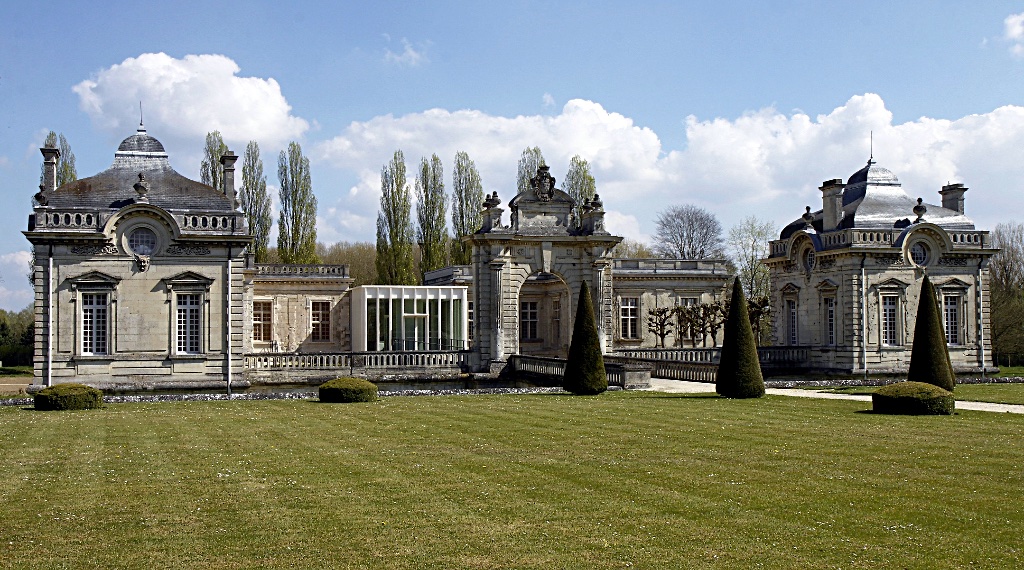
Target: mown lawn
995, 393
642, 480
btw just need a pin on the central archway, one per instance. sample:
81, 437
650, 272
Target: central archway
544, 316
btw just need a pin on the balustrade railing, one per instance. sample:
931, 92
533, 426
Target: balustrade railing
335, 361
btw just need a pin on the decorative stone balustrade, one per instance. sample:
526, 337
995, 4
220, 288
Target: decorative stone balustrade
207, 222
74, 220
269, 269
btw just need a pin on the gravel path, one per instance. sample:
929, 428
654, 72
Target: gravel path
683, 387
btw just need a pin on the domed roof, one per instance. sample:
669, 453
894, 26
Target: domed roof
872, 174
141, 143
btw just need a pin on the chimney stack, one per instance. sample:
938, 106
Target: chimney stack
228, 161
831, 204
50, 157
953, 197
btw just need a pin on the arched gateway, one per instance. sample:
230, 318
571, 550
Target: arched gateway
543, 241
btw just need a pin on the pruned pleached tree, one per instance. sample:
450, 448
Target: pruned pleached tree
529, 162
584, 367
929, 356
66, 171
659, 322
688, 232
394, 226
211, 171
580, 185
432, 228
467, 200
296, 227
255, 201
739, 370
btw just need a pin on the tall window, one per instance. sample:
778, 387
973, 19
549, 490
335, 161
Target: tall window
556, 318
189, 323
890, 320
628, 317
528, 320
792, 322
830, 321
94, 323
320, 318
470, 316
262, 321
951, 316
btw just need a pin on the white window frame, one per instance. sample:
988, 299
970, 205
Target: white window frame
556, 318
183, 284
952, 305
189, 323
265, 326
792, 321
830, 320
314, 321
528, 320
629, 317
94, 283
889, 319
90, 336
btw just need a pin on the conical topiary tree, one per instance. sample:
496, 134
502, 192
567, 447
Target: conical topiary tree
929, 358
584, 370
739, 371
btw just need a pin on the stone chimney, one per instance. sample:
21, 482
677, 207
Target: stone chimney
50, 157
953, 197
228, 161
831, 204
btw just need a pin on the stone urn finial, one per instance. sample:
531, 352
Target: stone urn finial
808, 217
920, 209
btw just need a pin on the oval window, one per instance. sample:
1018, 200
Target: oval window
919, 253
142, 241
809, 259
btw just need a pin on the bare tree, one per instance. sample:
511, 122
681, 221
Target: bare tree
1006, 286
688, 232
467, 198
579, 184
659, 322
529, 162
748, 245
629, 249
360, 257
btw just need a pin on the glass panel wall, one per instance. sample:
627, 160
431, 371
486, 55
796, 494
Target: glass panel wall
397, 318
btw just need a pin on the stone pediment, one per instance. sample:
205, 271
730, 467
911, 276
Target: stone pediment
892, 283
953, 283
188, 280
827, 285
94, 279
542, 209
790, 289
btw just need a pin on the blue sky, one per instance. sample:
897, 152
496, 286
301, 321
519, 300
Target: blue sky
739, 107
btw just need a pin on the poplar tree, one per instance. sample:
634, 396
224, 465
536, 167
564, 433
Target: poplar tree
431, 203
211, 171
529, 162
255, 201
580, 185
65, 164
394, 226
296, 227
467, 204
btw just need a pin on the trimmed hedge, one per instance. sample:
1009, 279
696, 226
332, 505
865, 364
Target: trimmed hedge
929, 357
739, 370
68, 397
585, 374
913, 398
343, 390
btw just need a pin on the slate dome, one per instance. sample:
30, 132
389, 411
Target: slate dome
142, 143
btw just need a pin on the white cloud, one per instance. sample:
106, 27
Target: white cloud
409, 56
1013, 31
548, 100
185, 98
15, 293
764, 162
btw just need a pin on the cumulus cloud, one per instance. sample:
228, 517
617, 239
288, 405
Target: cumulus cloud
764, 162
409, 56
1013, 31
548, 100
185, 98
15, 293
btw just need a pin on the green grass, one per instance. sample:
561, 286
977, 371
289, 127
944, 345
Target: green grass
997, 393
16, 371
641, 480
1011, 371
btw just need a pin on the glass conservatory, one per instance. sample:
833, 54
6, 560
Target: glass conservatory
409, 318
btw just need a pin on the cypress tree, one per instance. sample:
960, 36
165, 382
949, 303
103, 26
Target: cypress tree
929, 358
584, 370
739, 371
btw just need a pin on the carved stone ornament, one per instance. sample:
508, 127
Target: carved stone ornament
142, 261
890, 260
188, 250
142, 189
543, 184
107, 249
953, 261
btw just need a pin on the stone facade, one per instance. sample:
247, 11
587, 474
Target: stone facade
846, 279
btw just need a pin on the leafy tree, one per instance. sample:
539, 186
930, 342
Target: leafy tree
17, 336
467, 200
360, 257
580, 186
584, 368
529, 162
688, 232
296, 227
432, 231
739, 370
66, 171
629, 249
394, 226
211, 171
929, 357
255, 201
659, 322
1006, 287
